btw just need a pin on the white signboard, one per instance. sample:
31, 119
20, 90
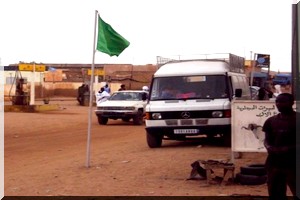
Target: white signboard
248, 117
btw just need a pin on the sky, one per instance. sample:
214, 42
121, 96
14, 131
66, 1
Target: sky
62, 31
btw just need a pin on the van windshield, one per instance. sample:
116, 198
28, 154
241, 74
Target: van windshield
189, 87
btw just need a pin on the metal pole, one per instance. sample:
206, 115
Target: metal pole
295, 52
96, 83
32, 86
42, 84
252, 67
10, 78
91, 96
295, 81
268, 78
131, 76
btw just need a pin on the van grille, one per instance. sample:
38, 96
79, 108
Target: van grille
192, 115
186, 122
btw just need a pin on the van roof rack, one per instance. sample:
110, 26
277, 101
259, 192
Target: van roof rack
236, 63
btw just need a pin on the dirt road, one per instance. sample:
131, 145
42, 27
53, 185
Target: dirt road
46, 155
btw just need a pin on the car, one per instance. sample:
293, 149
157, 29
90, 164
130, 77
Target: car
254, 92
125, 105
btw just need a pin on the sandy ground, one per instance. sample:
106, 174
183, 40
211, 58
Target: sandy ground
46, 155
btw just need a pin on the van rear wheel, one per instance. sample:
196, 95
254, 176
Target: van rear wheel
154, 140
226, 137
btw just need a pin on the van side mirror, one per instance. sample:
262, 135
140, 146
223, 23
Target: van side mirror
238, 92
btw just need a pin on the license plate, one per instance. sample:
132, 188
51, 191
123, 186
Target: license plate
186, 131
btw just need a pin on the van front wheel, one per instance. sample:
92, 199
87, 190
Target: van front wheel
154, 140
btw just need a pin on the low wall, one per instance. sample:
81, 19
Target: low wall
60, 89
47, 90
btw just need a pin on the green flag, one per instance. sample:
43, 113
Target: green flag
109, 41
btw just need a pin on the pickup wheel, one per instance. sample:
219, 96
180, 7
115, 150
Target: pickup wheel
138, 119
102, 120
154, 140
125, 119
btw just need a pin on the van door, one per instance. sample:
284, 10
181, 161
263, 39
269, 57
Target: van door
238, 81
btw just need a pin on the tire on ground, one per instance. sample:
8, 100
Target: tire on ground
125, 119
154, 140
138, 119
250, 179
102, 120
254, 169
226, 139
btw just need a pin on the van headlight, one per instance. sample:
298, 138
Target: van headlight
217, 114
156, 116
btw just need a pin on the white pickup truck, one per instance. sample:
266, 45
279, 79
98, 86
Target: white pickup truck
125, 105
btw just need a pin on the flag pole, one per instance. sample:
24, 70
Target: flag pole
91, 97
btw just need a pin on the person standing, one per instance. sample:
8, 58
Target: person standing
80, 93
83, 94
145, 88
107, 88
280, 142
263, 94
102, 95
122, 87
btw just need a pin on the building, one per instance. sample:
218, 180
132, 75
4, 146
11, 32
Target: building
64, 79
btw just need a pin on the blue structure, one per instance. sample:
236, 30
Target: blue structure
260, 78
282, 79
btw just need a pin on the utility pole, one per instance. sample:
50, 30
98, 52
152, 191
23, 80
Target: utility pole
32, 86
252, 68
131, 76
295, 51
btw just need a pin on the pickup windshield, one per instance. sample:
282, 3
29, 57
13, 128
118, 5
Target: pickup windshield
189, 87
127, 96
